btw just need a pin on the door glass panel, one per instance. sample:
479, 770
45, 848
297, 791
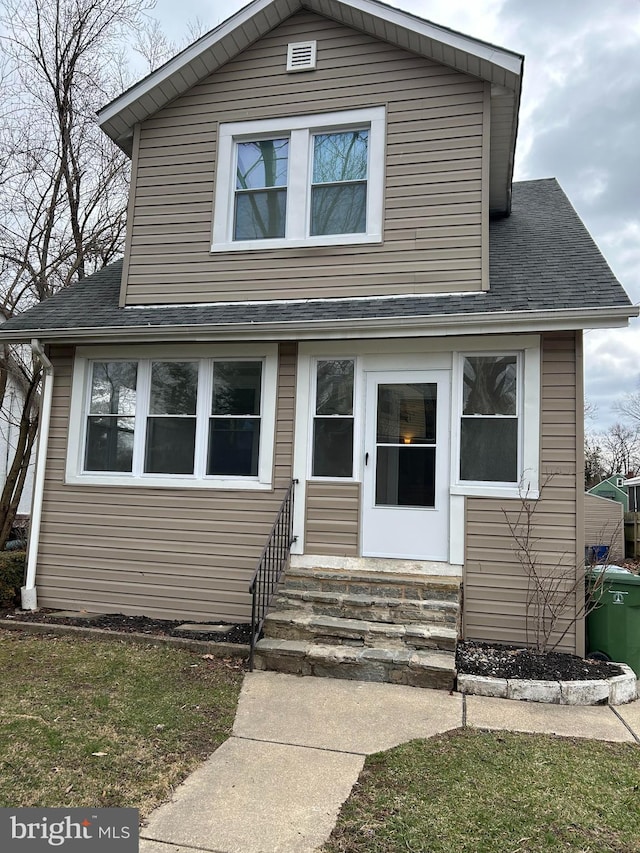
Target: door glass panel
405, 476
407, 413
406, 426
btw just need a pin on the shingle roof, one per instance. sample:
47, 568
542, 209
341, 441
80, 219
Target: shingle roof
542, 259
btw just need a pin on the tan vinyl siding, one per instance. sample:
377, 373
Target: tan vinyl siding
432, 235
495, 588
332, 519
168, 553
604, 524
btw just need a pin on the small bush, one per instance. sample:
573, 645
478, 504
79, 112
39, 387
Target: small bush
11, 577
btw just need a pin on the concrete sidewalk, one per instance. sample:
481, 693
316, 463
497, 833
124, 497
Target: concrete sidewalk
299, 744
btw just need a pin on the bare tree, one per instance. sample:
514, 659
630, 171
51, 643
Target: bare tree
560, 592
63, 184
629, 407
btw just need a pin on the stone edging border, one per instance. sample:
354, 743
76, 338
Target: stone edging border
219, 650
617, 690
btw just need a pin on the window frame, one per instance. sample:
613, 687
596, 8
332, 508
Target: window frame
205, 357
300, 131
313, 397
528, 416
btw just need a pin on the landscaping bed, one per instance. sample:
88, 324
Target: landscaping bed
238, 633
517, 662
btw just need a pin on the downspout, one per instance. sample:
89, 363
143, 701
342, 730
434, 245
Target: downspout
29, 596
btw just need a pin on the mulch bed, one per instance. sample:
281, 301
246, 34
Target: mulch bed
238, 633
471, 658
514, 662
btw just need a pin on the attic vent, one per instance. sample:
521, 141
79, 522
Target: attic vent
301, 56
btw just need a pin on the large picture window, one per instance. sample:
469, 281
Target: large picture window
306, 180
489, 425
175, 420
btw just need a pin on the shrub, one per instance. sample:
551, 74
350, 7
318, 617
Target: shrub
11, 577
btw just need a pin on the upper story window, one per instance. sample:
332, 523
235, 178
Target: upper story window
301, 181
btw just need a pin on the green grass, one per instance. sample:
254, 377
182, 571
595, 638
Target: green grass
154, 713
480, 792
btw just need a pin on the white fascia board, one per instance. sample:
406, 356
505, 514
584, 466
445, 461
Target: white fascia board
497, 56
397, 327
206, 42
506, 59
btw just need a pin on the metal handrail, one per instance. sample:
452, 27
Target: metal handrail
270, 567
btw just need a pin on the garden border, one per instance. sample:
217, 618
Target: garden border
617, 690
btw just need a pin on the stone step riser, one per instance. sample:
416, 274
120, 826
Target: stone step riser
382, 589
423, 612
354, 637
373, 670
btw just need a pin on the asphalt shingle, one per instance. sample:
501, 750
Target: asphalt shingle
542, 258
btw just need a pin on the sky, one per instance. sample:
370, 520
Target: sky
579, 122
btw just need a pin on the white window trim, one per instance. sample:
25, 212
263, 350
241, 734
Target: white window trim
300, 130
528, 378
355, 416
80, 395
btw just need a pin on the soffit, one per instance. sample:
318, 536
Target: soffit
501, 68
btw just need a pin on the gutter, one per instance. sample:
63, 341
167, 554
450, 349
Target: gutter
428, 325
28, 593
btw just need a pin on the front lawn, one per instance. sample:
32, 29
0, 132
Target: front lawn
480, 792
85, 723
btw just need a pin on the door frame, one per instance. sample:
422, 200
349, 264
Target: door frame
411, 517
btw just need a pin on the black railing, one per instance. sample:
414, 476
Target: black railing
270, 567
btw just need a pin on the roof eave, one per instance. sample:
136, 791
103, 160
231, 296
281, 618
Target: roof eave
420, 326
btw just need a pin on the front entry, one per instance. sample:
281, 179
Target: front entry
405, 502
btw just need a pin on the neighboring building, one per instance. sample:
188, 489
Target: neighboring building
9, 433
329, 277
613, 488
604, 529
632, 488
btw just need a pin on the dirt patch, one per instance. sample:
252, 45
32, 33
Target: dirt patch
237, 633
514, 662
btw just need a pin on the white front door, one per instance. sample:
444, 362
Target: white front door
405, 505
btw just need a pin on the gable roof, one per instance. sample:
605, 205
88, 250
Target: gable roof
502, 68
545, 273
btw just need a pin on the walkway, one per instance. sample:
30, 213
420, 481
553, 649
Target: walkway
299, 744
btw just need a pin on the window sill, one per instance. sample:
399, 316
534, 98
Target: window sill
305, 243
169, 482
499, 490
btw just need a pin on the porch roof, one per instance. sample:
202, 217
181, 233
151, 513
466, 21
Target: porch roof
546, 272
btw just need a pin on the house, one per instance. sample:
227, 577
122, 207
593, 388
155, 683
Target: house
613, 488
329, 278
10, 413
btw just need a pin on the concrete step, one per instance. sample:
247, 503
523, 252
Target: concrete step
319, 629
411, 587
434, 669
370, 607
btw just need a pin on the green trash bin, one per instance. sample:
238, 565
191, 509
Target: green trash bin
613, 628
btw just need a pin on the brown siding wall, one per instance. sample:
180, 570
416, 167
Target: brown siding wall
604, 524
168, 553
332, 519
495, 590
432, 224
